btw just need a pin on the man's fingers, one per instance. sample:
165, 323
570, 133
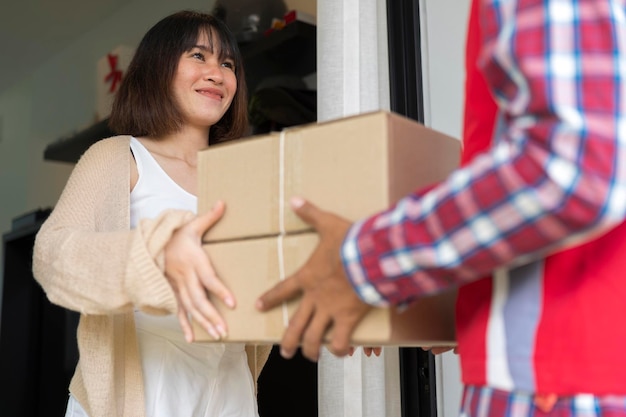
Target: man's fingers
340, 338
368, 350
284, 290
293, 335
314, 335
305, 210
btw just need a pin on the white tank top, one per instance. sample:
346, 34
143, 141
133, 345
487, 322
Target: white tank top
183, 379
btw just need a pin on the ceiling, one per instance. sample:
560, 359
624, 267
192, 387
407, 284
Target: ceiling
33, 31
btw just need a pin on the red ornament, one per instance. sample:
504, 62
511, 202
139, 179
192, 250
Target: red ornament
115, 76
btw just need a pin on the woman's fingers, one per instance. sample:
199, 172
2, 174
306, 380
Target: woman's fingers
185, 325
205, 313
192, 276
206, 220
196, 302
211, 281
203, 266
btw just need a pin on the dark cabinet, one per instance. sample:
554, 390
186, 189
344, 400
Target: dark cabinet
37, 339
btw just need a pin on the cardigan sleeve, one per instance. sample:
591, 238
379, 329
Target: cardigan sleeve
257, 358
85, 257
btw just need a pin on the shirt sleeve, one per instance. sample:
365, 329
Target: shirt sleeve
554, 176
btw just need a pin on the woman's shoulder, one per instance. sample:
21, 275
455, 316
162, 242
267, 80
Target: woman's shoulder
111, 143
106, 153
108, 147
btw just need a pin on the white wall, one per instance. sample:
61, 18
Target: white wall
443, 46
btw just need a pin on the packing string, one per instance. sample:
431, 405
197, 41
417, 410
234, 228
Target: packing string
281, 183
281, 217
281, 274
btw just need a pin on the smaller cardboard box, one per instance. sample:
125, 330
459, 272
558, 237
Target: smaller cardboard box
250, 267
354, 167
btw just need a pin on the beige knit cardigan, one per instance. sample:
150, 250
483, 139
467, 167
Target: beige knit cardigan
87, 259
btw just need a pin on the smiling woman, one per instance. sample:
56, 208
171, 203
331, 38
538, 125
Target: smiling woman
156, 111
205, 83
122, 246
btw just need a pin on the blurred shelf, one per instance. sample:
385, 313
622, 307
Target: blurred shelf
288, 51
71, 148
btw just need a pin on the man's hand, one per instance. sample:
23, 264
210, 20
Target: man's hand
328, 300
368, 350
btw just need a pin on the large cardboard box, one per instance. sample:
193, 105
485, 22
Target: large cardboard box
251, 266
355, 167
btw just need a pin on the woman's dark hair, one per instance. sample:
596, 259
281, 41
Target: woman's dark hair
144, 104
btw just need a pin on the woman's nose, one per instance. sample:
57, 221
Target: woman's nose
213, 72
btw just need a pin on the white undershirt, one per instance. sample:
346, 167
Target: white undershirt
183, 379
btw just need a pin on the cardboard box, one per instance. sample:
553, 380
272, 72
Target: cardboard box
354, 167
249, 267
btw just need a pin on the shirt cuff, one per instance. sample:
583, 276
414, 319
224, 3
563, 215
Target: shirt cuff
356, 273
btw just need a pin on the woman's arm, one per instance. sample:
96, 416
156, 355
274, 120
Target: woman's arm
86, 258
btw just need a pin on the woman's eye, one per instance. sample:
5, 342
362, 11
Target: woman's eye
229, 64
198, 55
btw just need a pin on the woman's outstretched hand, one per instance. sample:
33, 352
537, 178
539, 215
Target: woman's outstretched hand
191, 275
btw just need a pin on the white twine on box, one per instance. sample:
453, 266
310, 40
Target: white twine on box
281, 183
281, 217
281, 274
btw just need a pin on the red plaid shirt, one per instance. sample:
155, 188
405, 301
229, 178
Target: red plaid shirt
489, 402
547, 173
556, 172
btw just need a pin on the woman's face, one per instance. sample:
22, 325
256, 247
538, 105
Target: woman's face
204, 85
